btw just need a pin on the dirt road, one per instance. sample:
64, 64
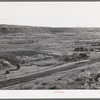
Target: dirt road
44, 73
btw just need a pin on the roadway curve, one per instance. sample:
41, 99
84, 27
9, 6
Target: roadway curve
48, 72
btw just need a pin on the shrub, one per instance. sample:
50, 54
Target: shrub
75, 57
4, 30
80, 49
83, 55
53, 87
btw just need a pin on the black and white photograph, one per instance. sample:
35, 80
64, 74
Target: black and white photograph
50, 46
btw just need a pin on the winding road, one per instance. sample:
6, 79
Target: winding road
44, 73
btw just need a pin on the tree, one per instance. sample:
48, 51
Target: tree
83, 55
18, 66
4, 30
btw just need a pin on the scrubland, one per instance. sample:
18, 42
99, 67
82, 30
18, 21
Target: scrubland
42, 48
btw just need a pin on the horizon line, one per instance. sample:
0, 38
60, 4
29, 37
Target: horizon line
44, 26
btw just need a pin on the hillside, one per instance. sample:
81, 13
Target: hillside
43, 48
14, 37
29, 29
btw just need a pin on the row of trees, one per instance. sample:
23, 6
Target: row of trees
92, 43
75, 56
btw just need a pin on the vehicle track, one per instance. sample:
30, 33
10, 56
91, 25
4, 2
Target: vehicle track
48, 72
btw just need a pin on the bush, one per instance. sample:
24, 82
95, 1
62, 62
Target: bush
4, 30
53, 87
83, 55
80, 49
75, 57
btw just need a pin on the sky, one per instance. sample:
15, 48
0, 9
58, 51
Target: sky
51, 14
